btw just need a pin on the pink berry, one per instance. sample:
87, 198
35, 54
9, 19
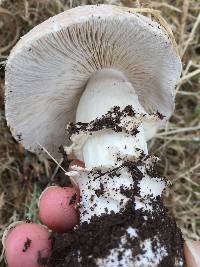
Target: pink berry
58, 208
27, 244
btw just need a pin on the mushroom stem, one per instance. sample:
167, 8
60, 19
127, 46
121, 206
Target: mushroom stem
105, 89
108, 150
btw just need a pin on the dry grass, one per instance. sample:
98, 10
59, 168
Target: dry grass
178, 146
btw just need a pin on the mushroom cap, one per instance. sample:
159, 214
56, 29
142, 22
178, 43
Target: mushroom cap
48, 69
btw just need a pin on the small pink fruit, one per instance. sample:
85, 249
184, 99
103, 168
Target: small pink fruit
58, 208
27, 244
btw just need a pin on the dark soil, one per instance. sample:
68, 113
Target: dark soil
111, 120
95, 239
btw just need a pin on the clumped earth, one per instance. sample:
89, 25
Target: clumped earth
106, 232
23, 175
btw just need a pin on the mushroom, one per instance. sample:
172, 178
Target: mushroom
109, 75
49, 68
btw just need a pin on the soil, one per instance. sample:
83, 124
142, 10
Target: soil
82, 246
27, 244
111, 120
